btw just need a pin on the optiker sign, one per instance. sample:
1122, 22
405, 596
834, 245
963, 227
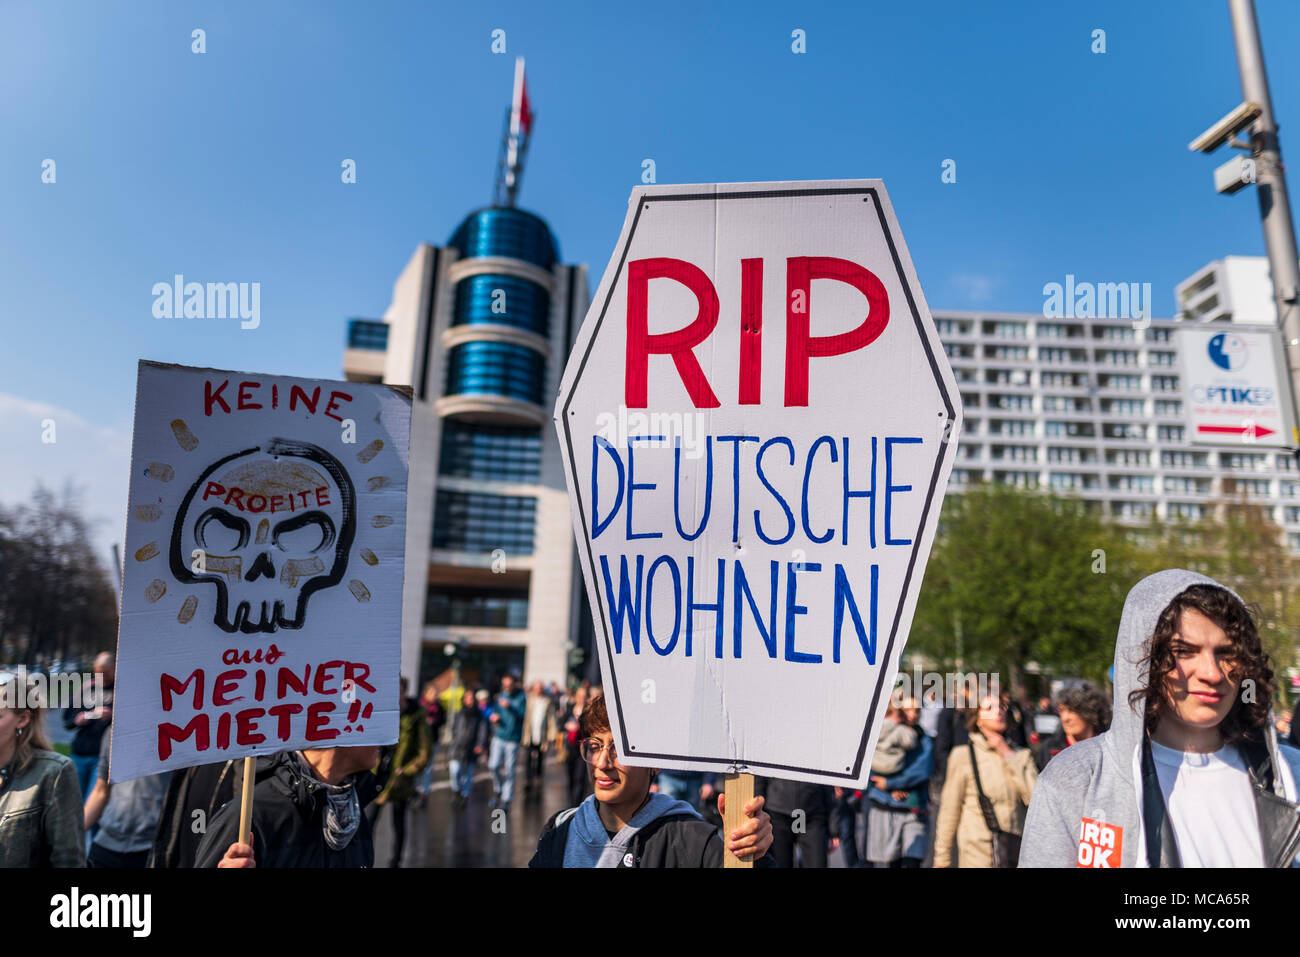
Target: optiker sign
1237, 387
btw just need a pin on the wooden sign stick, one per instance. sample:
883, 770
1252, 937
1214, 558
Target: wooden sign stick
739, 792
246, 801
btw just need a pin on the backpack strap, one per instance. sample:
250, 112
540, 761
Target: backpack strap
555, 837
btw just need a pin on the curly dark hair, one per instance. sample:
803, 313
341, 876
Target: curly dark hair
1089, 702
1246, 661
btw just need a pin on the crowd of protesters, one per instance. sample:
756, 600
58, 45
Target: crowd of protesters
1180, 751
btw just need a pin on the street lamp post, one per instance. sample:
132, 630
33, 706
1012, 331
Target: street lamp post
1266, 171
1270, 183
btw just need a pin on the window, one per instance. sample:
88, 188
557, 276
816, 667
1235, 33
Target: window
367, 334
1067, 481
1128, 457
496, 368
1286, 463
1119, 430
1011, 403
1121, 406
490, 453
1244, 461
470, 607
1162, 358
1164, 383
1187, 511
1169, 407
1073, 430
481, 522
1184, 460
1004, 353
1292, 514
1119, 383
1006, 330
958, 350
502, 300
1015, 453
1170, 433
1117, 357
1253, 488
1131, 510
1012, 427
1157, 335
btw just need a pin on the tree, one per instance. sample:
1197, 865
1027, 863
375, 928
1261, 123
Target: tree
56, 599
1018, 576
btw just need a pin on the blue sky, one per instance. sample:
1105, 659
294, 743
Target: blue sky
225, 166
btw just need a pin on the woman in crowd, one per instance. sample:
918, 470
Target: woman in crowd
1084, 710
985, 794
41, 822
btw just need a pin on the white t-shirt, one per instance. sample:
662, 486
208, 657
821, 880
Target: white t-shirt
1211, 807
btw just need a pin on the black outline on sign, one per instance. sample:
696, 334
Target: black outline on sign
853, 773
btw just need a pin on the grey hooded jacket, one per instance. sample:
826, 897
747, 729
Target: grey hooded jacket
1102, 779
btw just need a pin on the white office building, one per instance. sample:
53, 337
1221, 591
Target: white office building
1096, 407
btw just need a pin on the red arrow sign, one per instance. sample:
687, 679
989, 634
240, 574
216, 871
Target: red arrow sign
1257, 431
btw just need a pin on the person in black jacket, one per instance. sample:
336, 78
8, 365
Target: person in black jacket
801, 815
306, 813
624, 824
469, 741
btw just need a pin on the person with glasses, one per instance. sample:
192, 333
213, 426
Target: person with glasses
624, 824
40, 798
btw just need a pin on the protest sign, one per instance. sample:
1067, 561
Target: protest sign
262, 589
758, 422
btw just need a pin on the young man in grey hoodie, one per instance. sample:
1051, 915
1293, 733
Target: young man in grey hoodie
624, 824
1191, 773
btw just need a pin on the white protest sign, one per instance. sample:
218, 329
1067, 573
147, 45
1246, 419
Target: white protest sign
1237, 387
262, 593
758, 422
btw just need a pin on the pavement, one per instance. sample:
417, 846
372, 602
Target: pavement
441, 835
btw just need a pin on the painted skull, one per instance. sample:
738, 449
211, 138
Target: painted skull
269, 526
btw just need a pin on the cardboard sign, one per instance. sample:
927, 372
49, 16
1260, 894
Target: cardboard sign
758, 422
1100, 844
1237, 388
261, 602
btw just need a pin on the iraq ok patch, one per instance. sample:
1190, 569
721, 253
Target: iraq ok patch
1100, 844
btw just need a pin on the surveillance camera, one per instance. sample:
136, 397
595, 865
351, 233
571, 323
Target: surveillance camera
1226, 128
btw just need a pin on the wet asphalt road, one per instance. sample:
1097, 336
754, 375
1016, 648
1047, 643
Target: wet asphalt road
441, 835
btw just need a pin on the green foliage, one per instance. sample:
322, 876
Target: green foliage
1021, 576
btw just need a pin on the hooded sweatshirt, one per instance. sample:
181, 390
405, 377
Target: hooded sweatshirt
1086, 807
589, 844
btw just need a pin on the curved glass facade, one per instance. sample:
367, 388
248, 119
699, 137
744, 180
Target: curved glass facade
519, 303
504, 231
496, 368
480, 521
490, 453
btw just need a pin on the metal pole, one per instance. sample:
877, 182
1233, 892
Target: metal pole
1270, 182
